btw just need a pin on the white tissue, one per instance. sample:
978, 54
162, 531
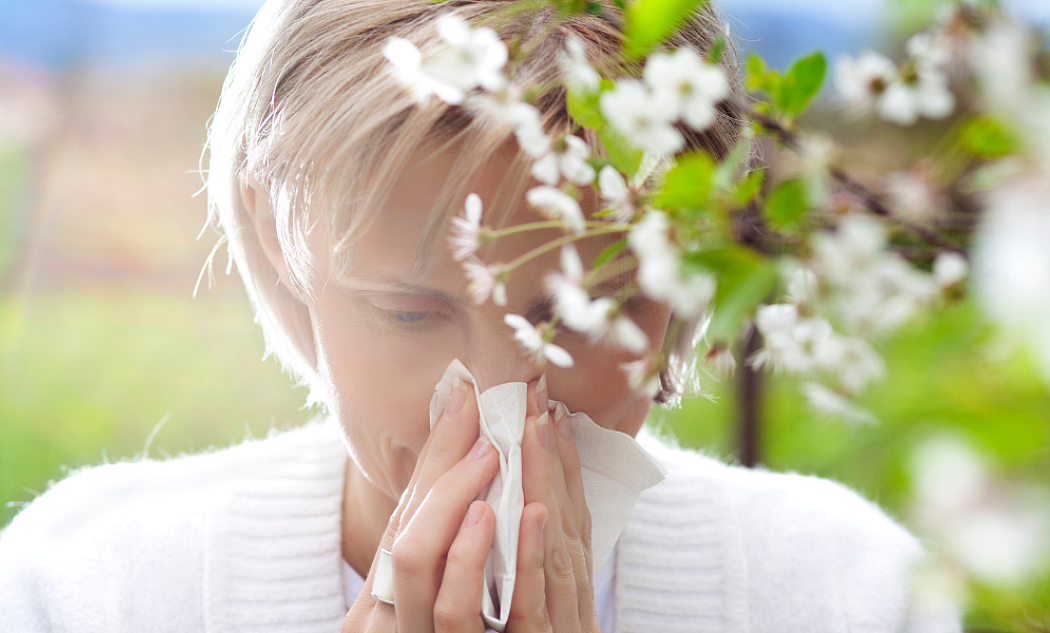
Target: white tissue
615, 471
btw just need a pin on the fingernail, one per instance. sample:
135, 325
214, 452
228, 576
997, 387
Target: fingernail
541, 394
541, 429
480, 449
561, 420
473, 514
458, 396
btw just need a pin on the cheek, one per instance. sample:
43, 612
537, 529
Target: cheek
381, 383
597, 386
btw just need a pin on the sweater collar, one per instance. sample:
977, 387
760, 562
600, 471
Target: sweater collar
680, 563
273, 554
273, 558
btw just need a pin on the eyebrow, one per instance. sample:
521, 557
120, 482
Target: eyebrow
544, 304
369, 282
535, 307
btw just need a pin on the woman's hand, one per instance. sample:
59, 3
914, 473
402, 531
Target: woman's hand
439, 537
554, 589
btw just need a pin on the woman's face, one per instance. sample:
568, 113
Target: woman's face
384, 341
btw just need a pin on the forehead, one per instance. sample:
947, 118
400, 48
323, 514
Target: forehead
388, 249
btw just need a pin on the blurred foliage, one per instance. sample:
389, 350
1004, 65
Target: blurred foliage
941, 377
87, 372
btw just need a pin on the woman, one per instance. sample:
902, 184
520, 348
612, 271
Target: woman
334, 189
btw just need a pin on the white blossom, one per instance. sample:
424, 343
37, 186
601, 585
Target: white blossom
642, 377
802, 286
614, 192
464, 232
852, 249
628, 335
949, 269
532, 342
834, 405
659, 269
851, 360
409, 70
506, 105
791, 341
595, 317
872, 289
577, 71
915, 195
929, 49
813, 162
721, 360
861, 81
694, 87
475, 57
570, 161
483, 281
999, 533
923, 93
572, 303
643, 119
872, 83
1011, 262
1001, 60
555, 204
886, 295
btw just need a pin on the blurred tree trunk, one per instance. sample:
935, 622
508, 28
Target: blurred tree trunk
749, 402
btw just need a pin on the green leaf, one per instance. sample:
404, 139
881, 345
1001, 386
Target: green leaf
649, 22
756, 72
786, 204
738, 296
688, 184
718, 49
729, 169
623, 156
750, 186
585, 108
744, 280
609, 253
802, 83
986, 137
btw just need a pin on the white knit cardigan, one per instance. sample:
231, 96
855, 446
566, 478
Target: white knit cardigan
248, 539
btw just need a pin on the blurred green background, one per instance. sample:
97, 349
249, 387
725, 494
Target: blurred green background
102, 341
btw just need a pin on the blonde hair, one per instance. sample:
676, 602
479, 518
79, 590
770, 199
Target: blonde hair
311, 112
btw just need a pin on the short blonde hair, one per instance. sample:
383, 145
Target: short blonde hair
310, 111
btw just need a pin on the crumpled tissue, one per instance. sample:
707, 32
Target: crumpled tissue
614, 466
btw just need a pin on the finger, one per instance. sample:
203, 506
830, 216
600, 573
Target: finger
579, 517
528, 607
418, 552
540, 476
569, 457
531, 403
452, 437
458, 604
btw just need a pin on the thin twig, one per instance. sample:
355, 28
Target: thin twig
870, 199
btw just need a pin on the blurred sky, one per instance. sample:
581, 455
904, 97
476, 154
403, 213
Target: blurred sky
852, 10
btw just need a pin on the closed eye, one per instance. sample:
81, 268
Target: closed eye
410, 317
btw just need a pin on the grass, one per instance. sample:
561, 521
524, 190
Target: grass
85, 376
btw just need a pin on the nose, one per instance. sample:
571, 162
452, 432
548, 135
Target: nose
494, 357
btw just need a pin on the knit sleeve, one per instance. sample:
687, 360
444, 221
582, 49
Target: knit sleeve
95, 554
825, 559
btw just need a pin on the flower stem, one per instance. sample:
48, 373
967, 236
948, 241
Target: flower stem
552, 224
561, 241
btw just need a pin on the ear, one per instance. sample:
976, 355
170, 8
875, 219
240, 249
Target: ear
257, 203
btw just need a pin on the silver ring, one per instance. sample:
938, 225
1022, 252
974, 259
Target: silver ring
383, 581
